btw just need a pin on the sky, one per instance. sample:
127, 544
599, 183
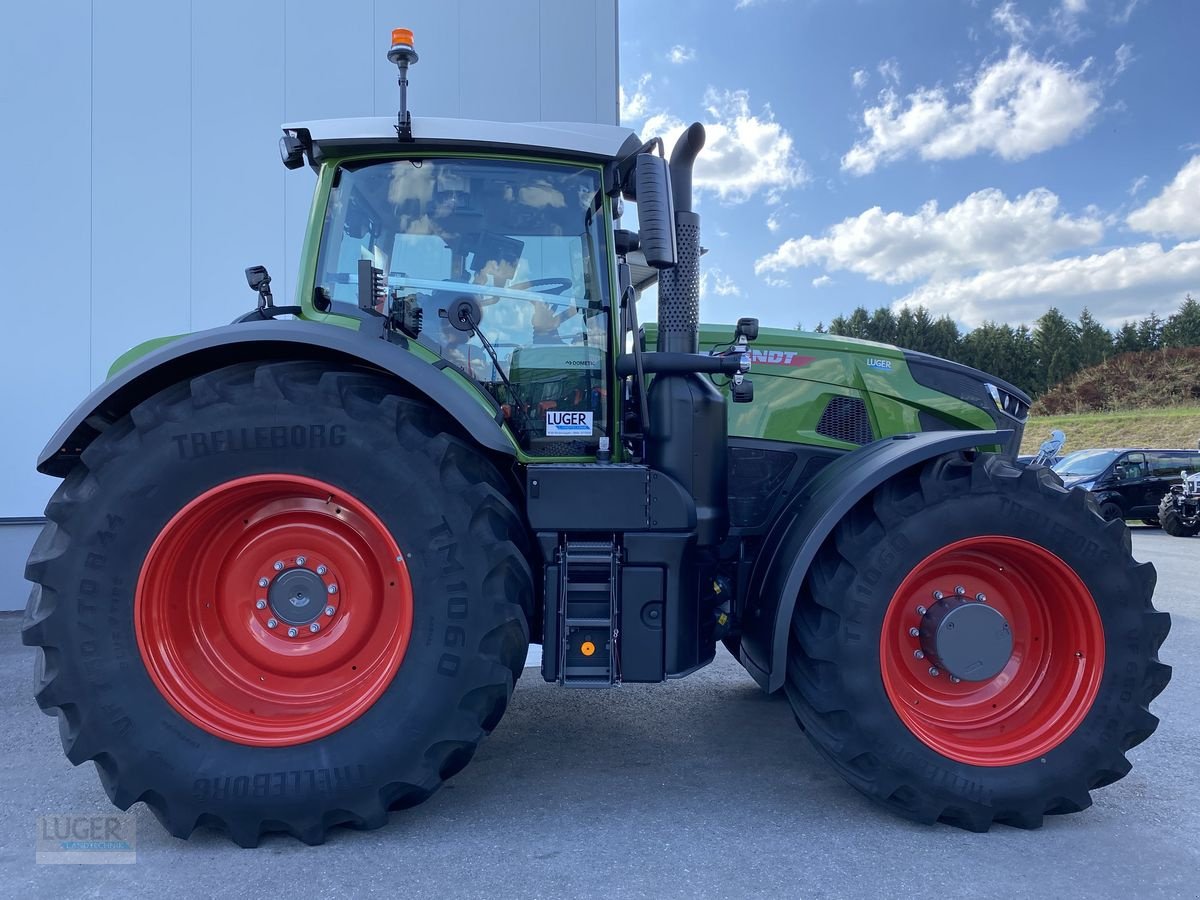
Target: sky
988, 160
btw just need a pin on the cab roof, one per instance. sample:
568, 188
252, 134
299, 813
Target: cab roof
339, 137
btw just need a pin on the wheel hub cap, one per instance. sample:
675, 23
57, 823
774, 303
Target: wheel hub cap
967, 639
297, 596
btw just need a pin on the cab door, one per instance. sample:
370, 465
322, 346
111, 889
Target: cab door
1130, 484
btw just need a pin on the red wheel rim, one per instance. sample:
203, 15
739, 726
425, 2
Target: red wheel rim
1047, 685
225, 576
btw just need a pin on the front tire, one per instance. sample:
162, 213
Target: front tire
1023, 729
278, 598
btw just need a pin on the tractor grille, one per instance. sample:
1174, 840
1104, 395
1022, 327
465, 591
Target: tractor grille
846, 419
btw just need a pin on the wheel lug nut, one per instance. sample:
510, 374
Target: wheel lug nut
934, 671
954, 679
921, 610
292, 632
261, 604
329, 610
279, 565
919, 654
321, 570
314, 627
301, 560
959, 589
938, 595
332, 589
263, 582
981, 597
914, 632
271, 623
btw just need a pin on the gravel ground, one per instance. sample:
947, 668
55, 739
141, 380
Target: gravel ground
701, 787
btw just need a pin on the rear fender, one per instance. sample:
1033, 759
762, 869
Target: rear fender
802, 527
205, 351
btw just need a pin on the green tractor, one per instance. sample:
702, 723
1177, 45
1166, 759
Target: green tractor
294, 566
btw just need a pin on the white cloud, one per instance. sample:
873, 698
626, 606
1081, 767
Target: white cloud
745, 153
1074, 7
635, 105
889, 71
1122, 17
1138, 183
1014, 107
859, 78
1011, 21
774, 222
1124, 57
774, 282
1175, 211
822, 281
680, 54
985, 230
1120, 284
719, 283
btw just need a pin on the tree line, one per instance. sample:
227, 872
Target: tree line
1035, 359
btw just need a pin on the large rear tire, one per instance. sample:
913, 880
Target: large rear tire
1054, 663
1173, 522
278, 598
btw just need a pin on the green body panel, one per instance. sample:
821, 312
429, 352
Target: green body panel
796, 373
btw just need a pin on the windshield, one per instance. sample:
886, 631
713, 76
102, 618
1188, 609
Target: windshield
519, 246
1085, 462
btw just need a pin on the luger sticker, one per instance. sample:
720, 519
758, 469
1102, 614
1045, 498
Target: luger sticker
568, 423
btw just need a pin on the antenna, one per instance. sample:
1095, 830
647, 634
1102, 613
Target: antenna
403, 54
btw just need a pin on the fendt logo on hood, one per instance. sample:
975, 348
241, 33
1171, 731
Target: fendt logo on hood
779, 358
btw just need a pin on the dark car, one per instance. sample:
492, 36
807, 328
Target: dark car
1127, 482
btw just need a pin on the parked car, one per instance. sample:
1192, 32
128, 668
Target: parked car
1129, 483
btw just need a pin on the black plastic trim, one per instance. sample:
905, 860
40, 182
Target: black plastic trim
204, 351
798, 532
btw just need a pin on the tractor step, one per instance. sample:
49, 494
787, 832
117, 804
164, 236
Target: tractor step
588, 598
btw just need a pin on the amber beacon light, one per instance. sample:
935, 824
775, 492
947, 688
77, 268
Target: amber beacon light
403, 54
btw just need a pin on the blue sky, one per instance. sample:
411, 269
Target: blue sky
986, 159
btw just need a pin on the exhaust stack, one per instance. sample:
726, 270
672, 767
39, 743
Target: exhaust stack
679, 287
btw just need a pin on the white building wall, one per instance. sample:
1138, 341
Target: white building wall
138, 140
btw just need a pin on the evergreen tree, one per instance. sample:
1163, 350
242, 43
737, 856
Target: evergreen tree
859, 324
1183, 328
943, 338
883, 326
1095, 341
1150, 332
1127, 339
1056, 342
1024, 364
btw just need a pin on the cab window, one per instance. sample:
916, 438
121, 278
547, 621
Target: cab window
1131, 467
508, 261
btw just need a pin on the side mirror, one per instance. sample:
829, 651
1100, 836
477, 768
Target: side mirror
656, 211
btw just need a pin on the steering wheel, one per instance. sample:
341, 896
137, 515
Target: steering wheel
552, 285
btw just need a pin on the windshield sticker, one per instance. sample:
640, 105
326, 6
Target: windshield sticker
874, 363
780, 358
568, 423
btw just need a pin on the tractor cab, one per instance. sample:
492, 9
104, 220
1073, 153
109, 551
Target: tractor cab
502, 269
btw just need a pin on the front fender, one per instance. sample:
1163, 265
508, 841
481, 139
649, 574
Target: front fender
801, 529
204, 351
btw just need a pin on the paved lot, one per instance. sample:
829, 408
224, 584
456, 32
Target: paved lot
703, 787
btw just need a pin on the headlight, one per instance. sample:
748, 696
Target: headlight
1006, 402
